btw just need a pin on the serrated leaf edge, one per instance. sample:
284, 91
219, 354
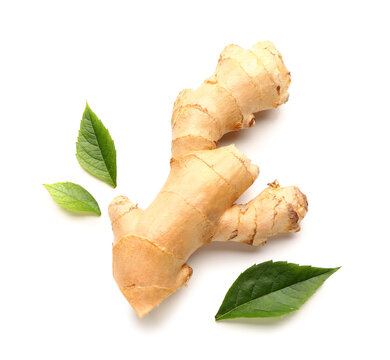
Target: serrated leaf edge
112, 182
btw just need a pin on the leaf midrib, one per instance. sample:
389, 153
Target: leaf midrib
89, 163
63, 192
99, 147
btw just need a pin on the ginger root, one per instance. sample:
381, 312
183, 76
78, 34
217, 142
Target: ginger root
196, 204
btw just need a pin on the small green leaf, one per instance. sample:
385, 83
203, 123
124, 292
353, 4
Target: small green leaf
73, 197
271, 289
95, 149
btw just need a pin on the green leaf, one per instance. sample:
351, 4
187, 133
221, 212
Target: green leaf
73, 197
271, 289
95, 149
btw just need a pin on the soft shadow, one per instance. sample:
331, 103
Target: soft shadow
77, 214
283, 237
162, 312
263, 119
264, 322
218, 247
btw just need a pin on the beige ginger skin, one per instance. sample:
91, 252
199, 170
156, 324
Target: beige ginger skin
196, 204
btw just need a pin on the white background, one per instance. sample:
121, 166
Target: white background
130, 60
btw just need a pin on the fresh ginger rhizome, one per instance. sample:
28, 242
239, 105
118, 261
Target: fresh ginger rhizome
196, 204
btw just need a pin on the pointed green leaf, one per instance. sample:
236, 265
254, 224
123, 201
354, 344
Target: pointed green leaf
73, 197
95, 149
271, 289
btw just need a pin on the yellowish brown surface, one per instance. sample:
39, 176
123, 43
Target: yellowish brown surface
196, 204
